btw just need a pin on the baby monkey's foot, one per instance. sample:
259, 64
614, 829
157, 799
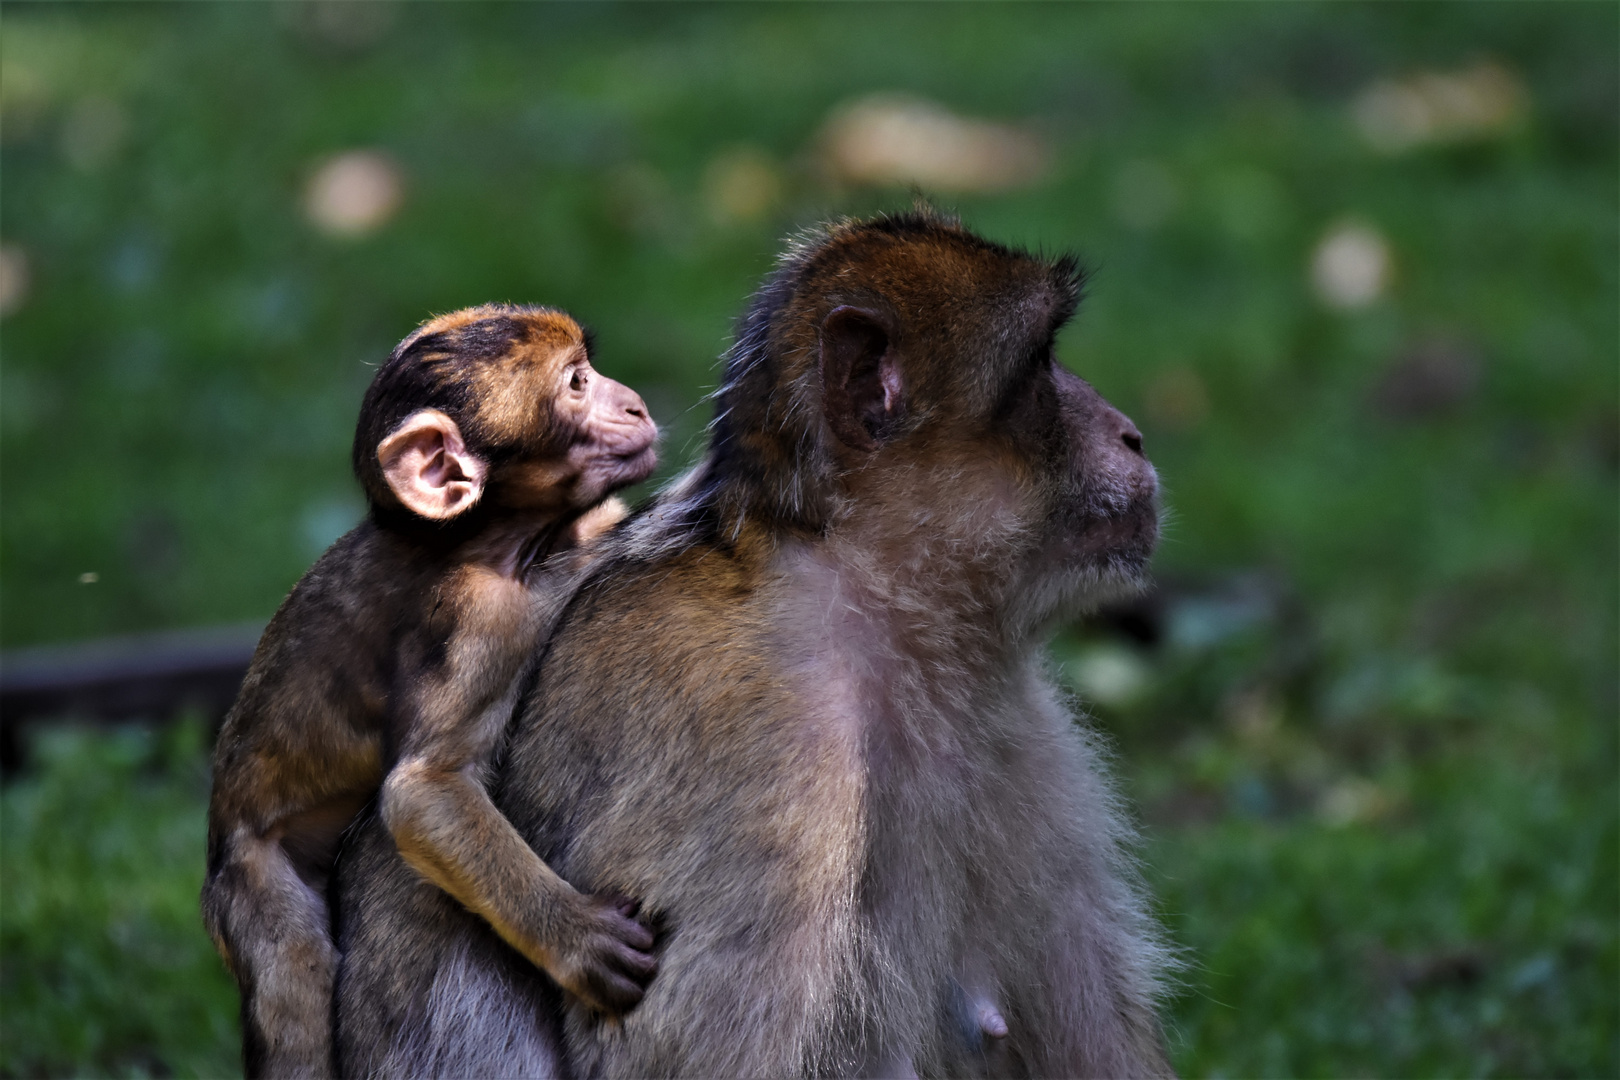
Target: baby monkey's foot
610, 962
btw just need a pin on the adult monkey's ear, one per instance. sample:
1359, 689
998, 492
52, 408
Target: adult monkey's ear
429, 468
862, 392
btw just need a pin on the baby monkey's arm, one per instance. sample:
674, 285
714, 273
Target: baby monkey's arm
446, 826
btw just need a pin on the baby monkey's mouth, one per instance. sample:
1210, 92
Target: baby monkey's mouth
635, 463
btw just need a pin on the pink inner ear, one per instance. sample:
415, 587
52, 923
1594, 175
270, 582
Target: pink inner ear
891, 388
862, 387
438, 470
428, 467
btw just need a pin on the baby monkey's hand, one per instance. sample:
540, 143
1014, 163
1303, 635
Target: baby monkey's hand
610, 961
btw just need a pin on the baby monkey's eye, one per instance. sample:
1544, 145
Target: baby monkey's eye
576, 380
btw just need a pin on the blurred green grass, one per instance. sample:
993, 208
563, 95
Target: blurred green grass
106, 971
1376, 754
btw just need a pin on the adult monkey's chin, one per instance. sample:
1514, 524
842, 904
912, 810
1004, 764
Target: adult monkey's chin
1087, 563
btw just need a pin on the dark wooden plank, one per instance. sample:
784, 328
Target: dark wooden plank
145, 677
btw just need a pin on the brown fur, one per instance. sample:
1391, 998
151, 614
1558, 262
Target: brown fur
395, 662
800, 711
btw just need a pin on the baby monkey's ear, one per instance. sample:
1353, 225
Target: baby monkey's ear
429, 468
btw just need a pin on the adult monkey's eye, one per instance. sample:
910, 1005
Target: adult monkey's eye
576, 380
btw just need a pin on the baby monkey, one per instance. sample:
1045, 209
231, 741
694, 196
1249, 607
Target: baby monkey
485, 444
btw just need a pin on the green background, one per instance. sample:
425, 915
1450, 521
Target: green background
1375, 756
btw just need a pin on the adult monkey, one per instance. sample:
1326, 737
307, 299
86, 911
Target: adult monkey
799, 712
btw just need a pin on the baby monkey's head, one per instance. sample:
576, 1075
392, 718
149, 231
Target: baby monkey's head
498, 406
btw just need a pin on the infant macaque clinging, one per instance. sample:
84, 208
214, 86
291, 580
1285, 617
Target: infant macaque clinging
486, 444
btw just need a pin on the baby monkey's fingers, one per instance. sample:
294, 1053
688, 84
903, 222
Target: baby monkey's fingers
614, 979
633, 931
614, 965
638, 965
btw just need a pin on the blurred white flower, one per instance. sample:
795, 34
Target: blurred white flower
1108, 675
1432, 107
13, 278
354, 193
888, 139
1351, 266
1353, 800
39, 60
741, 184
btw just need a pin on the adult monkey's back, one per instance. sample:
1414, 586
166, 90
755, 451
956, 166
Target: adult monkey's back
800, 714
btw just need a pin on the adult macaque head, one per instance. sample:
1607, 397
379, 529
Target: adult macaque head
912, 388
499, 407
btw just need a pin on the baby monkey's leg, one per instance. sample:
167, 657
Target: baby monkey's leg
435, 804
276, 933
